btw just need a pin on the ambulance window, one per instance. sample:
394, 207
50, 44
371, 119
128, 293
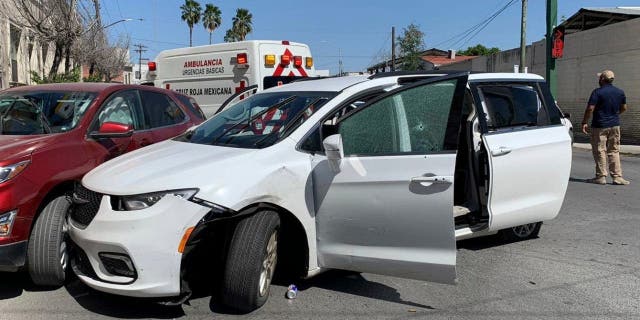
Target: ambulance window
159, 110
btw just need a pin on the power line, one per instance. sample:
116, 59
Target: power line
481, 25
487, 23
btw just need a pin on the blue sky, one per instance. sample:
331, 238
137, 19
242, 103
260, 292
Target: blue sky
358, 30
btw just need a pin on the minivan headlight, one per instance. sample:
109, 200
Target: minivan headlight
9, 172
143, 201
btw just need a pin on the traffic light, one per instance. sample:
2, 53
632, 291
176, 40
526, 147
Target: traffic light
558, 42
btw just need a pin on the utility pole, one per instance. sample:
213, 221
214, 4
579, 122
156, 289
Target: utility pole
523, 36
393, 48
552, 21
140, 49
340, 61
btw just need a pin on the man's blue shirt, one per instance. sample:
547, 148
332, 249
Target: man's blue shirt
607, 100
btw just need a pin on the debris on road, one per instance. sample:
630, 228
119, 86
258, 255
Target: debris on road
292, 292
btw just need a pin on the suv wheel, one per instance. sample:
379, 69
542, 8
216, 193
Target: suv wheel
522, 232
47, 253
251, 262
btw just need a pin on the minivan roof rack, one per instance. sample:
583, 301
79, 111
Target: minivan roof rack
413, 73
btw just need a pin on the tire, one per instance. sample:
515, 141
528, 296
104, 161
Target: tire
47, 254
522, 232
251, 262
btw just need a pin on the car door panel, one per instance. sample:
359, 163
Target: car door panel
527, 183
361, 229
391, 213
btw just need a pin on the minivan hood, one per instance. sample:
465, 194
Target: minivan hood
167, 165
17, 147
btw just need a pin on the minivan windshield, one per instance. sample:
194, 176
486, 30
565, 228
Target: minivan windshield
259, 121
41, 112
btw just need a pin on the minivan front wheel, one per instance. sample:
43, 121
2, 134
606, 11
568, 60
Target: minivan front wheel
47, 254
251, 261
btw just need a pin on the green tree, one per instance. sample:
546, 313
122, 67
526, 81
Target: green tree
191, 11
479, 50
242, 24
231, 36
211, 18
411, 43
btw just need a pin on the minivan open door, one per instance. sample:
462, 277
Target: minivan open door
384, 190
529, 154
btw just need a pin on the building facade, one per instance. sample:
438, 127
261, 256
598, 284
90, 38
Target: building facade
20, 51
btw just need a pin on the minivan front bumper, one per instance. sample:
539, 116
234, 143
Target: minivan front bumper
144, 240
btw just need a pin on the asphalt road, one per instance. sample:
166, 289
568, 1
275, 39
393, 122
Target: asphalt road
585, 264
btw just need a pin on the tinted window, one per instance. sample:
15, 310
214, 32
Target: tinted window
411, 121
159, 110
37, 112
192, 105
513, 105
120, 107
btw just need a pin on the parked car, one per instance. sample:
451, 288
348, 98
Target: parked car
50, 136
378, 174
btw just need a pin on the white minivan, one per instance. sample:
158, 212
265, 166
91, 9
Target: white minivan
378, 174
214, 73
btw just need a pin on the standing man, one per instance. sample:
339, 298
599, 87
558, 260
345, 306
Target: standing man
606, 104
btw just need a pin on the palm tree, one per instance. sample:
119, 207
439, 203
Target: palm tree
242, 24
231, 36
191, 15
211, 18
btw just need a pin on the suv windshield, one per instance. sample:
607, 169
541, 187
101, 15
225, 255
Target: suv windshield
39, 112
258, 121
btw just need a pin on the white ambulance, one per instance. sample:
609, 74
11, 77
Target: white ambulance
214, 73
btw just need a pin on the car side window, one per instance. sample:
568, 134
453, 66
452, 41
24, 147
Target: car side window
120, 107
192, 105
160, 110
513, 105
313, 142
413, 121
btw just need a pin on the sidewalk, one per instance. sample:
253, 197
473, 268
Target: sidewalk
628, 149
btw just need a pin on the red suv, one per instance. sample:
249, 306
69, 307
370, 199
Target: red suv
50, 136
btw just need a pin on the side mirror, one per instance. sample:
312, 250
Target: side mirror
333, 149
112, 130
567, 115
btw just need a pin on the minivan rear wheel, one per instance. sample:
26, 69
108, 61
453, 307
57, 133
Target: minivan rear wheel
522, 232
47, 253
251, 261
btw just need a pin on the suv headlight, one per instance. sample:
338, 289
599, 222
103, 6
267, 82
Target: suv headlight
9, 172
6, 222
143, 201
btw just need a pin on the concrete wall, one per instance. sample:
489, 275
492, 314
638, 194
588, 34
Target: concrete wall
615, 47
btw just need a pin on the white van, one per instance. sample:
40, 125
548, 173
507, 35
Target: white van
213, 73
377, 174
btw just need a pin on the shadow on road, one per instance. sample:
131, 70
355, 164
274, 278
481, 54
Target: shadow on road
118, 306
14, 283
354, 283
339, 281
487, 242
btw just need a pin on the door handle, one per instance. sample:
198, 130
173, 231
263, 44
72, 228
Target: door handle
432, 179
430, 184
501, 151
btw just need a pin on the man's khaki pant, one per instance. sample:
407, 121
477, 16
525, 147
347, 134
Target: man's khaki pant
605, 146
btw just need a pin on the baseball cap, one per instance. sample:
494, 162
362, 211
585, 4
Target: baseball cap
607, 75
